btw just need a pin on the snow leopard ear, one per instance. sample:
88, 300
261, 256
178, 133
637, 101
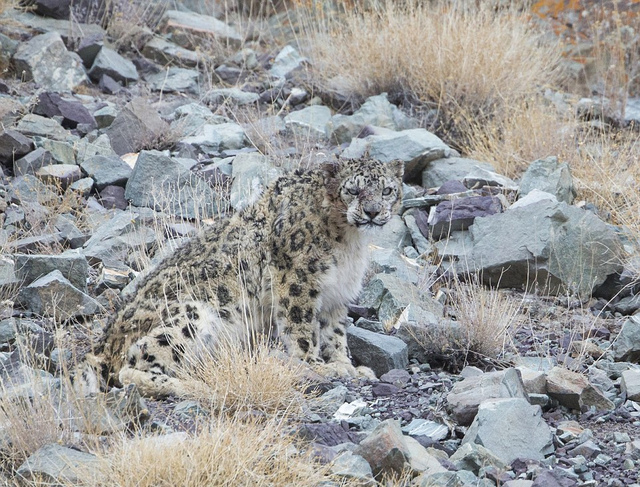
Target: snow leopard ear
397, 168
330, 168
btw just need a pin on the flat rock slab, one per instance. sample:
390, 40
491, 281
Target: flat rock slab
459, 214
510, 429
164, 52
56, 464
438, 172
188, 28
45, 60
175, 80
59, 175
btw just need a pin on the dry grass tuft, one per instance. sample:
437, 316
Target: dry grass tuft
238, 381
467, 62
229, 453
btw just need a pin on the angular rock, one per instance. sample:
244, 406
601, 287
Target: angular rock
56, 9
159, 182
59, 175
113, 197
549, 176
109, 62
287, 61
175, 80
473, 457
626, 347
479, 177
164, 52
381, 353
396, 300
439, 171
53, 295
420, 460
310, 122
90, 47
55, 464
551, 245
353, 467
417, 147
71, 234
73, 113
211, 139
106, 170
105, 116
376, 111
574, 391
460, 213
630, 384
33, 161
72, 266
466, 396
252, 172
510, 429
137, 125
48, 128
45, 60
13, 145
189, 29
424, 427
29, 189
385, 449
61, 152
235, 96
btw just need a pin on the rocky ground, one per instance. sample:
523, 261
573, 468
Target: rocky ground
111, 157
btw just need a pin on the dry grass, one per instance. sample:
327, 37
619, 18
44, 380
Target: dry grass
467, 62
241, 381
229, 453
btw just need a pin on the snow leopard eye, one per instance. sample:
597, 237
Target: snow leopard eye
386, 191
354, 191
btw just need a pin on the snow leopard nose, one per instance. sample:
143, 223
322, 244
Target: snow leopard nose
372, 210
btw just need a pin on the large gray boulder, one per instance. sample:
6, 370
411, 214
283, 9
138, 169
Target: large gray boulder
416, 147
573, 390
554, 246
510, 429
550, 176
159, 182
45, 60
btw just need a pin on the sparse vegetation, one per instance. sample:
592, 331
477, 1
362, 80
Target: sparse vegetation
491, 83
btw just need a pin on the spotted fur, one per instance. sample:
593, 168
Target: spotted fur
284, 268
